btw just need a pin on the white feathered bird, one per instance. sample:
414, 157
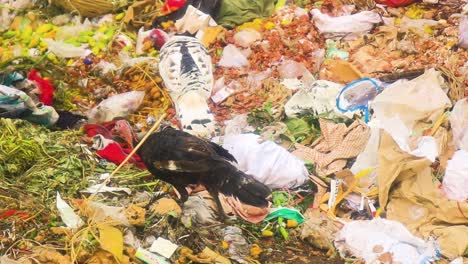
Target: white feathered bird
186, 69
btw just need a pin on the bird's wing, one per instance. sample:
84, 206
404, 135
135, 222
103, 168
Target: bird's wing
185, 153
223, 152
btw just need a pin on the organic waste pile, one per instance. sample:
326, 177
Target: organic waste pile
354, 113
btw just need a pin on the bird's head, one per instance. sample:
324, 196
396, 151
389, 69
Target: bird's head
195, 116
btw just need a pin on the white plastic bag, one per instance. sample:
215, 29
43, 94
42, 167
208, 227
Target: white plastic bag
290, 69
459, 124
267, 162
405, 99
455, 184
417, 26
120, 105
427, 146
193, 21
370, 239
232, 57
318, 98
65, 50
246, 37
349, 27
463, 29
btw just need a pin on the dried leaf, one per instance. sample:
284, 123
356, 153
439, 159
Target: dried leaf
111, 240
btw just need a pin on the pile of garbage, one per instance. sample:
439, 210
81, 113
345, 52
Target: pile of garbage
354, 114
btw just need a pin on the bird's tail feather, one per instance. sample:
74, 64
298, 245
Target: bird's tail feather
247, 189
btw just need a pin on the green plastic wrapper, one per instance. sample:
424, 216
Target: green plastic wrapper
286, 213
237, 12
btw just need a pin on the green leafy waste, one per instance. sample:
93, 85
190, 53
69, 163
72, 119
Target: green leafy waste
38, 160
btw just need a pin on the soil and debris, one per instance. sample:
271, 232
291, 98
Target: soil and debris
354, 113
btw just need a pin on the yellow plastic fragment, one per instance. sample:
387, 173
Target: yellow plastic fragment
291, 223
119, 17
267, 233
269, 25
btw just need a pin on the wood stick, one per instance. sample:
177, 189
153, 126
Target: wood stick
155, 126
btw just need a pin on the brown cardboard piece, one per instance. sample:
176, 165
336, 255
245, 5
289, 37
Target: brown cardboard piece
411, 196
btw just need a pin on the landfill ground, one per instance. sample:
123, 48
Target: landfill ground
331, 131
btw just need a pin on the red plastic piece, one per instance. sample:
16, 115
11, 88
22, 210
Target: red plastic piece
46, 89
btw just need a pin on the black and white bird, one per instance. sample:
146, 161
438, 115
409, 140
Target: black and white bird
181, 159
186, 69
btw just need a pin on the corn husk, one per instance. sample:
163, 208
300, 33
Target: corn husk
91, 8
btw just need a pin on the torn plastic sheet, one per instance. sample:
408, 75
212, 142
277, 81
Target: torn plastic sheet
194, 20
317, 98
426, 146
374, 239
232, 57
101, 188
455, 183
69, 217
459, 124
399, 108
346, 27
120, 105
66, 50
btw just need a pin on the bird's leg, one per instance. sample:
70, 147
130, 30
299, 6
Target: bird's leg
182, 192
222, 215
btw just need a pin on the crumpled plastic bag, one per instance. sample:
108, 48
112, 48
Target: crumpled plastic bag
237, 125
65, 50
232, 57
368, 157
463, 29
267, 162
239, 249
197, 211
319, 230
426, 146
193, 21
402, 100
417, 26
373, 240
15, 103
246, 37
100, 212
455, 183
346, 27
120, 105
290, 69
459, 124
317, 98
337, 144
415, 199
237, 12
